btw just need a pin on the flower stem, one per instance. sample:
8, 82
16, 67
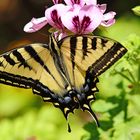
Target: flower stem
133, 78
123, 75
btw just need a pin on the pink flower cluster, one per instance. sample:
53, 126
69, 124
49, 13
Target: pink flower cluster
77, 16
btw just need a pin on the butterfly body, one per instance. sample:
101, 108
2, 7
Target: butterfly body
63, 72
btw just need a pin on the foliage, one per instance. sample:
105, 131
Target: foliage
136, 10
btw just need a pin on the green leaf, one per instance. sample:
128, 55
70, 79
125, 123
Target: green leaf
92, 132
134, 104
102, 106
136, 10
126, 130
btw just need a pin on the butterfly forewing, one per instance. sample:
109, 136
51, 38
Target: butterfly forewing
16, 67
92, 54
26, 66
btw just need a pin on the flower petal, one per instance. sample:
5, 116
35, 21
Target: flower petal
102, 7
108, 23
75, 8
108, 19
109, 15
95, 15
72, 2
54, 13
89, 2
35, 24
83, 21
57, 1
67, 21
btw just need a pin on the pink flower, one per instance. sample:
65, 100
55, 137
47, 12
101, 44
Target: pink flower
35, 24
54, 14
102, 7
57, 1
108, 18
89, 2
78, 16
72, 2
82, 20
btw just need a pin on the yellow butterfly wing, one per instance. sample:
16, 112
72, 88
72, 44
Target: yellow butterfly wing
89, 55
30, 65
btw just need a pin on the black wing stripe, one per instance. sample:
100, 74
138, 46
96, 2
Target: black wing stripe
57, 59
84, 45
1, 64
37, 58
73, 43
59, 63
31, 51
21, 59
103, 42
108, 59
94, 43
43, 91
16, 80
9, 60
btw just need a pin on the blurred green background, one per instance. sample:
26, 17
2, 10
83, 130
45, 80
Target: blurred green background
24, 116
